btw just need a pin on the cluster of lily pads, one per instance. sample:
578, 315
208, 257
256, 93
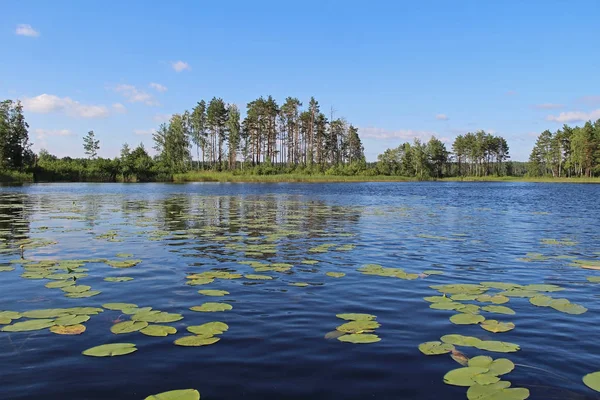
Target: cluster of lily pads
360, 328
61, 321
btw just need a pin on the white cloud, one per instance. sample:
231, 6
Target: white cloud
143, 132
158, 87
574, 116
180, 66
26, 30
47, 103
162, 117
548, 106
442, 117
404, 134
119, 108
133, 95
44, 133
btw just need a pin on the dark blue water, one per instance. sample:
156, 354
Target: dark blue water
275, 347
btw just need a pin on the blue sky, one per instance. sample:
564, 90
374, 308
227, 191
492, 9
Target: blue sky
395, 69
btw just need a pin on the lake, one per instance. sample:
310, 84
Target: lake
177, 240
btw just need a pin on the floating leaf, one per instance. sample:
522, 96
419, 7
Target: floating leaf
46, 313
136, 310
358, 326
496, 346
209, 329
492, 325
89, 293
258, 277
466, 319
356, 317
118, 306
31, 325
497, 391
543, 288
541, 301
497, 299
215, 293
464, 376
593, 279
118, 279
299, 284
76, 289
124, 255
464, 297
435, 348
158, 330
460, 340
60, 284
519, 292
10, 314
499, 310
433, 272
359, 338
196, 341
128, 327
71, 319
6, 269
334, 334
592, 381
446, 305
500, 366
110, 350
156, 316
438, 299
335, 274
68, 330
200, 281
124, 263
212, 307
184, 394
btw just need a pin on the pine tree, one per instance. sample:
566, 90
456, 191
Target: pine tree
91, 145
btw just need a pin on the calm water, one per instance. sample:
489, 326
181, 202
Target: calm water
275, 347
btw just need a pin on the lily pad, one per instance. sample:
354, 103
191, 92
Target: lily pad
6, 269
497, 299
356, 317
496, 346
592, 381
184, 394
593, 279
46, 313
60, 284
89, 293
438, 299
214, 293
435, 348
465, 376
71, 319
118, 279
499, 310
128, 327
299, 284
497, 391
158, 330
500, 366
209, 329
196, 341
565, 306
491, 325
31, 325
466, 319
68, 330
335, 274
123, 264
359, 338
258, 277
358, 326
76, 289
118, 306
156, 316
541, 301
110, 350
460, 340
212, 307
543, 288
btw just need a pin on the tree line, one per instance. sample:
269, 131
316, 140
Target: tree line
285, 135
568, 152
473, 154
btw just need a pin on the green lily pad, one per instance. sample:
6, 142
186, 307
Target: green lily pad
10, 314
84, 310
358, 326
76, 289
359, 338
89, 293
457, 288
299, 284
460, 340
46, 313
184, 394
438, 299
110, 350
31, 325
465, 376
435, 348
158, 330
491, 325
541, 301
128, 327
156, 316
446, 305
214, 293
200, 281
464, 297
356, 317
433, 272
124, 255
565, 306
497, 391
71, 319
258, 277
118, 279
60, 284
335, 274
592, 381
77, 329
196, 341
543, 288
499, 310
212, 307
118, 306
123, 264
496, 346
593, 279
497, 299
6, 269
500, 366
136, 310
519, 292
209, 329
466, 319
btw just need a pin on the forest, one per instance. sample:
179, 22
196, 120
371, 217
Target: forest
212, 141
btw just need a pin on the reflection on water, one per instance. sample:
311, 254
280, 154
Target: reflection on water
275, 346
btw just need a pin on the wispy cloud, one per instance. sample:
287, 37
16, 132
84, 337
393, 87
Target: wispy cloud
144, 132
158, 87
26, 30
548, 106
48, 103
180, 66
44, 133
442, 117
119, 108
134, 95
574, 116
589, 99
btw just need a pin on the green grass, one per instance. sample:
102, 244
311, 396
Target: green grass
542, 179
210, 176
15, 177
